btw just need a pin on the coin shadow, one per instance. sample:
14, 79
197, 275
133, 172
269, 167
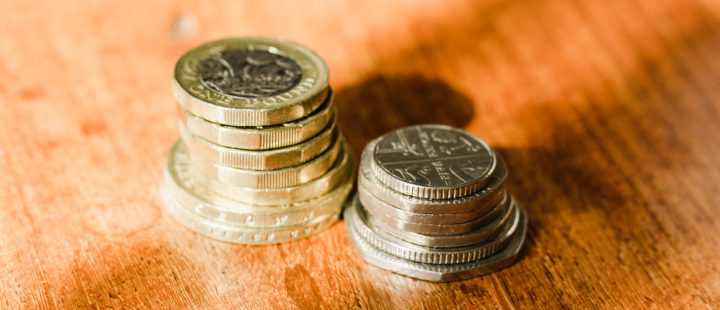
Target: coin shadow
560, 177
382, 103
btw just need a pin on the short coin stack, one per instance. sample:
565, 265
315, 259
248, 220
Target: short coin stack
261, 159
432, 205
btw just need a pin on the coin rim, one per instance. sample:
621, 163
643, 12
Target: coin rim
221, 232
178, 158
425, 218
442, 241
441, 229
297, 214
261, 137
442, 273
430, 255
269, 179
260, 160
341, 172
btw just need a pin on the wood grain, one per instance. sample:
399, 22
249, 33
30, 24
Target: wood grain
607, 112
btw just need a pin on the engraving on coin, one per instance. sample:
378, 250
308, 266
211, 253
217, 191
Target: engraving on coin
491, 193
249, 82
249, 73
436, 156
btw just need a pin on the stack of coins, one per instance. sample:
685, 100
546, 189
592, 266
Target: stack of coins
432, 205
261, 159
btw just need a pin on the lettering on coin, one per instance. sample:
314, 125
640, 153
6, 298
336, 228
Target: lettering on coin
435, 156
249, 73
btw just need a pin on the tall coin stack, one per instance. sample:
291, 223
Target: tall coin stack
261, 159
432, 205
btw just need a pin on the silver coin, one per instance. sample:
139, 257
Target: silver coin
427, 255
485, 232
260, 160
445, 272
432, 161
376, 204
268, 179
380, 215
260, 137
491, 193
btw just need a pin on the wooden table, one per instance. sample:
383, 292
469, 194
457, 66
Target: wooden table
607, 112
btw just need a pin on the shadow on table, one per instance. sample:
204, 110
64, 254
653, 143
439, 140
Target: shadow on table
381, 103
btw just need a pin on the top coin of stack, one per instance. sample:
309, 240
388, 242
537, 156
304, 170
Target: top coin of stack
261, 159
432, 205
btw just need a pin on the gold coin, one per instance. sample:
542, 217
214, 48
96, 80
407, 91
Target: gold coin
278, 178
250, 81
340, 173
259, 160
261, 137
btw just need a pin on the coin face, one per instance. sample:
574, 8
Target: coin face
248, 73
423, 160
488, 196
250, 81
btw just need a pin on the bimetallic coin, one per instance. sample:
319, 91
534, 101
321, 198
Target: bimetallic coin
485, 232
489, 195
432, 161
340, 173
245, 235
260, 160
428, 255
446, 272
250, 81
261, 137
267, 179
379, 213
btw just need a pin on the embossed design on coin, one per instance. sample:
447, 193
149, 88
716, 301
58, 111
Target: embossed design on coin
249, 82
420, 160
249, 73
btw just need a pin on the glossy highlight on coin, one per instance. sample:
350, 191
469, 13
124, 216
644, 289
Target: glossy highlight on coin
433, 161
